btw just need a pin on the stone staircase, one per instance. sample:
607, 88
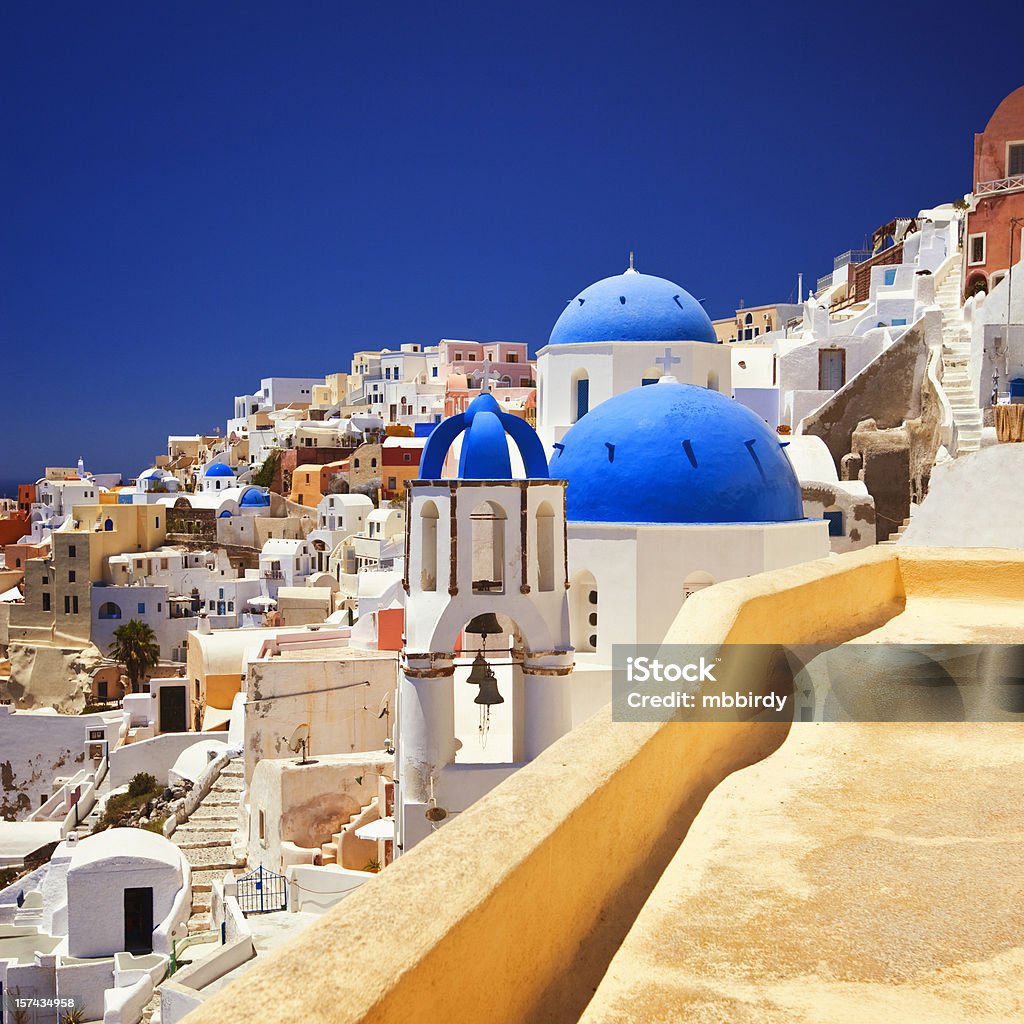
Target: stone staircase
894, 537
205, 839
956, 353
330, 853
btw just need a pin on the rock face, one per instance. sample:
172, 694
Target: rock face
50, 677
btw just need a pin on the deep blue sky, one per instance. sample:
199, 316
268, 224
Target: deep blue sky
200, 194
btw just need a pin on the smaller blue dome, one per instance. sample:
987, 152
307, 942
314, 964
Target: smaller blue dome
485, 454
254, 498
219, 469
633, 307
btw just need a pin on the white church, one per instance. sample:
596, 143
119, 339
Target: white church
527, 565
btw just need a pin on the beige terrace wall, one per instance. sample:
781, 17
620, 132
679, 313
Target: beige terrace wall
513, 911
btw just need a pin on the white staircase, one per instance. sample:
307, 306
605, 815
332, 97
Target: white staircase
956, 353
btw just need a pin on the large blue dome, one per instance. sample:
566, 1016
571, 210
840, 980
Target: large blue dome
219, 469
633, 307
675, 453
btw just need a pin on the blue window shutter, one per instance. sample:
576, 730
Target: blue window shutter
582, 397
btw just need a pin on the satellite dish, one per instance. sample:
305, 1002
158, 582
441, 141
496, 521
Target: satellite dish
436, 814
299, 740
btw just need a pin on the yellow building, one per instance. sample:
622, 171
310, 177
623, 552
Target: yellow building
58, 590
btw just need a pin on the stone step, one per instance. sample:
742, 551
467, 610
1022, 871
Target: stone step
203, 879
202, 902
218, 858
199, 923
204, 840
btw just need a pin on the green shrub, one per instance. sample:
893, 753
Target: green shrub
143, 784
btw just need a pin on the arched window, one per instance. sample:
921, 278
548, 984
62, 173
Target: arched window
109, 610
108, 525
428, 546
488, 520
698, 580
545, 547
579, 398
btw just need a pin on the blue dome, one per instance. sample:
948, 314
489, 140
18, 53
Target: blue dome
675, 453
633, 307
484, 454
254, 498
219, 469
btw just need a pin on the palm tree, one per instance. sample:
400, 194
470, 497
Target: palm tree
136, 648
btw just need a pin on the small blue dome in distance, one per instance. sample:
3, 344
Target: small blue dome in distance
219, 469
633, 307
485, 453
254, 498
675, 453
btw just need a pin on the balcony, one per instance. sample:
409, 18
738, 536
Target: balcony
1011, 184
272, 574
850, 256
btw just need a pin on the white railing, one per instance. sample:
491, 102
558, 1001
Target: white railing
1000, 185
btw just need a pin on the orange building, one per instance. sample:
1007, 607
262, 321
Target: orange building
26, 497
995, 221
310, 483
16, 555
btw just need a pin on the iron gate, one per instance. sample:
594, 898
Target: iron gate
262, 891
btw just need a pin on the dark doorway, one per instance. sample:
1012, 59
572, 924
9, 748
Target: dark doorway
138, 920
172, 709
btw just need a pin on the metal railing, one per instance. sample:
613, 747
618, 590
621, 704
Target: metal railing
1011, 184
850, 256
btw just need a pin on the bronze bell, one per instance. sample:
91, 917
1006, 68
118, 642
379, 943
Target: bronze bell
480, 671
489, 694
486, 624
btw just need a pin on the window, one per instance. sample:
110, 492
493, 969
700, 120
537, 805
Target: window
976, 250
406, 457
355, 464
581, 394
17, 563
46, 580
835, 524
392, 483
67, 605
428, 547
97, 734
263, 825
545, 547
46, 601
74, 605
141, 607
71, 551
470, 358
890, 277
159, 607
1014, 159
71, 576
373, 463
